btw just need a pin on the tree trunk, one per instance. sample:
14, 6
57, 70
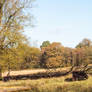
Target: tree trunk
9, 70
0, 73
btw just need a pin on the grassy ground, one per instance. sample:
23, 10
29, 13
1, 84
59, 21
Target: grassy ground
47, 85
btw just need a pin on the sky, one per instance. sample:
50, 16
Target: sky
64, 21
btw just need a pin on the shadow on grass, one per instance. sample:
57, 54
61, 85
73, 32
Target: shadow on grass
71, 79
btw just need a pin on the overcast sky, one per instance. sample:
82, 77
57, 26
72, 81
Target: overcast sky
65, 21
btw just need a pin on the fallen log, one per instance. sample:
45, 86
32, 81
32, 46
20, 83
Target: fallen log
35, 76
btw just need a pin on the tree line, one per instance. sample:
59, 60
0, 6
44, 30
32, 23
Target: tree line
55, 55
49, 55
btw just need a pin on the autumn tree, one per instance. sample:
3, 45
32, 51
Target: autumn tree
52, 56
14, 15
84, 43
30, 56
84, 51
68, 56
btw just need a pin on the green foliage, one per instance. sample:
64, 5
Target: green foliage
45, 44
30, 57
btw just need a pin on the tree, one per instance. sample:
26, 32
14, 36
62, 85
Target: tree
83, 51
45, 44
13, 18
30, 56
68, 56
84, 43
52, 56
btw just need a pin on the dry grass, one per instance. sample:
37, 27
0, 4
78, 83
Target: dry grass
48, 85
45, 85
24, 72
32, 71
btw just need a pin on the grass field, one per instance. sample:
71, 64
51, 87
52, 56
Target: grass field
47, 85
